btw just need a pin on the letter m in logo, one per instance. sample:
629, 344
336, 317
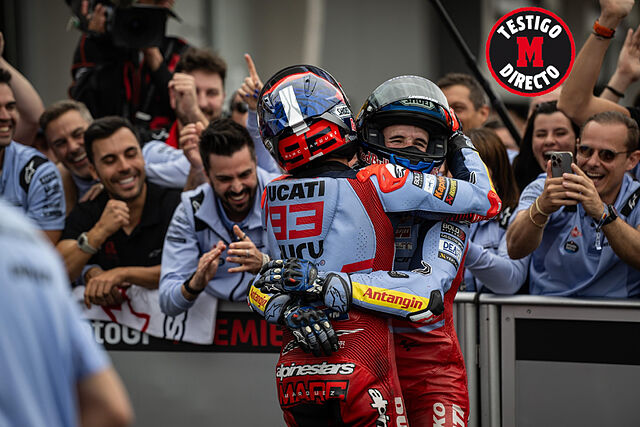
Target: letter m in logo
531, 51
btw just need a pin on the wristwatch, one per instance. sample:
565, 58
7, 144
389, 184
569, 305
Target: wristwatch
83, 244
612, 214
189, 289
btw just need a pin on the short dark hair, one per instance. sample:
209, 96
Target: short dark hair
194, 59
223, 137
476, 93
57, 109
103, 128
5, 76
613, 117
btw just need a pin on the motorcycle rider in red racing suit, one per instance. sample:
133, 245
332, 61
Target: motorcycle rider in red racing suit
341, 226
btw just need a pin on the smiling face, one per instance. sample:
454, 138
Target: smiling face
210, 93
8, 115
234, 180
606, 176
119, 165
65, 136
551, 132
403, 136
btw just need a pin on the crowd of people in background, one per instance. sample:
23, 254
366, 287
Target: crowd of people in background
150, 189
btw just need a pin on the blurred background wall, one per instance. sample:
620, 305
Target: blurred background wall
361, 42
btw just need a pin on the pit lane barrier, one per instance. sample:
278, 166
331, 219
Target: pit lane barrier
555, 361
531, 361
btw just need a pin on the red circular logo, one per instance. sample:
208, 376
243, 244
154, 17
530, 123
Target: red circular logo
530, 51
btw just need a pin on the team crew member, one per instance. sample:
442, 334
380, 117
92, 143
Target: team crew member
53, 372
64, 123
354, 212
27, 178
216, 238
583, 229
116, 239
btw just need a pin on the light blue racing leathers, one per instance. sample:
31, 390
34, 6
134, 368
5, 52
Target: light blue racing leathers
341, 223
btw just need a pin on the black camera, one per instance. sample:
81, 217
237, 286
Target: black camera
129, 25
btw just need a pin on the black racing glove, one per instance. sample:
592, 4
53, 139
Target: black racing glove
311, 329
456, 142
291, 276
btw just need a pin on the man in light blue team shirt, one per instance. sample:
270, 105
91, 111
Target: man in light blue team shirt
583, 228
52, 371
27, 178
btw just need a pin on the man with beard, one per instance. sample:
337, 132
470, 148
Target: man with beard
116, 239
215, 241
27, 178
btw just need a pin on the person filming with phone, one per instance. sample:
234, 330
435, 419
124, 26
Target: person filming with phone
583, 228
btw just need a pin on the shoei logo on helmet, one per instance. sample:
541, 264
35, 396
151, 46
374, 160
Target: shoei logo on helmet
530, 51
418, 102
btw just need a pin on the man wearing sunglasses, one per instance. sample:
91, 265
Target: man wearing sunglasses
583, 229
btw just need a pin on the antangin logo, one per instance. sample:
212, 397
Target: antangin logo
387, 298
258, 299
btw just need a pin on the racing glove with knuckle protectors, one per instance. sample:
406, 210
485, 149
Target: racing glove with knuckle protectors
307, 322
403, 295
311, 328
300, 277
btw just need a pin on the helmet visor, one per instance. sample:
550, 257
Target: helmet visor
297, 93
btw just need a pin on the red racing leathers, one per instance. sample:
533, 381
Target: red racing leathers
340, 233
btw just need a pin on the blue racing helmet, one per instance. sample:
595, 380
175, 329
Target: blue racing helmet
303, 114
405, 100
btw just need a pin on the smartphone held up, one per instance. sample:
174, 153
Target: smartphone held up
561, 163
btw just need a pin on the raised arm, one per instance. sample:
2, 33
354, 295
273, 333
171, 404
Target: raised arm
30, 104
627, 69
577, 99
249, 91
